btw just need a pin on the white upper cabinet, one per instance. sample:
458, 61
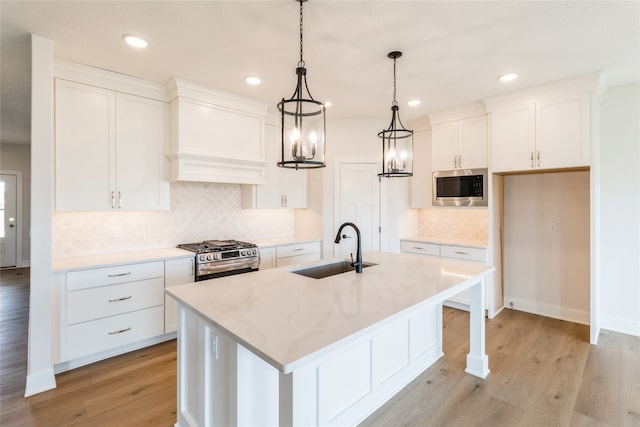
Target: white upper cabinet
459, 139
109, 149
562, 132
543, 128
283, 188
215, 136
513, 138
140, 153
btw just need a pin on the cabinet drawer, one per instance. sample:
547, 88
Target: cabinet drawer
103, 334
113, 275
464, 253
290, 260
297, 249
420, 248
95, 303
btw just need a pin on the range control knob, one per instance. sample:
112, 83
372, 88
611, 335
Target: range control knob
217, 256
209, 257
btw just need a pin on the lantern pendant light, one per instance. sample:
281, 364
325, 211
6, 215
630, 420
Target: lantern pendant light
397, 141
302, 123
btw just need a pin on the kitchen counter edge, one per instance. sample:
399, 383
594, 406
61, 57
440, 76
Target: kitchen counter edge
113, 259
470, 243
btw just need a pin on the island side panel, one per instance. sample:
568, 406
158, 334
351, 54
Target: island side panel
346, 386
222, 383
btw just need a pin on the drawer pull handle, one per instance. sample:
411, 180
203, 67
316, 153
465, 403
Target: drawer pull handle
120, 331
418, 248
298, 249
120, 299
119, 275
461, 253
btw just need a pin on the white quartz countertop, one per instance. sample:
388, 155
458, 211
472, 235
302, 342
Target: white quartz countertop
289, 320
106, 260
471, 243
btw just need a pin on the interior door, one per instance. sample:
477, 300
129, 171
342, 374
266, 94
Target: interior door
8, 216
359, 202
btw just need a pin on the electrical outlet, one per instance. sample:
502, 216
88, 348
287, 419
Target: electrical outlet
553, 227
117, 231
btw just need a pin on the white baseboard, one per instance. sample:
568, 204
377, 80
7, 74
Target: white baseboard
622, 325
39, 382
547, 310
96, 357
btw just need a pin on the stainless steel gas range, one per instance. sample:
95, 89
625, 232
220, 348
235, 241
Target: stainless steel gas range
218, 258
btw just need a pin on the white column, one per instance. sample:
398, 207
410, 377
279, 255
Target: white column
477, 360
40, 375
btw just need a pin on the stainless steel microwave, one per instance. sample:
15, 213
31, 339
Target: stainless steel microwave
460, 187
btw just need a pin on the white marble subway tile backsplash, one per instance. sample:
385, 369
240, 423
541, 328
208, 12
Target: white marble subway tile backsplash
198, 211
456, 223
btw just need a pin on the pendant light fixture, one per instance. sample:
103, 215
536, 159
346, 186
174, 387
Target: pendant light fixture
397, 141
302, 123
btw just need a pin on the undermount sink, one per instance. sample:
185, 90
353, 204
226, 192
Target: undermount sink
326, 270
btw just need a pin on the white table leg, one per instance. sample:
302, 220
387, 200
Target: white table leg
477, 360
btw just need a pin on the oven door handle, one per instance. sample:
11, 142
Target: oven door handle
229, 265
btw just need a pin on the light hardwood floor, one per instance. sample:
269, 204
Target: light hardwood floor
543, 373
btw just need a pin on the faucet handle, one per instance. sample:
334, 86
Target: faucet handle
352, 259
344, 236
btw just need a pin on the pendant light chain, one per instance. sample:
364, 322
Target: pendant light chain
394, 83
301, 63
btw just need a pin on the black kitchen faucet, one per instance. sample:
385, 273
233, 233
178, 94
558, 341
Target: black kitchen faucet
358, 262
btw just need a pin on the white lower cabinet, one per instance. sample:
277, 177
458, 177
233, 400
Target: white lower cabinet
297, 253
114, 331
176, 272
267, 258
290, 254
464, 253
106, 311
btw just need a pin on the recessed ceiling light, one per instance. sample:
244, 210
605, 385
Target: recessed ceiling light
414, 102
508, 77
135, 41
327, 104
252, 80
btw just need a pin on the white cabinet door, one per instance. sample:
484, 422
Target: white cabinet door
444, 146
551, 134
472, 143
460, 144
176, 272
513, 139
562, 133
140, 136
267, 258
109, 150
84, 146
421, 181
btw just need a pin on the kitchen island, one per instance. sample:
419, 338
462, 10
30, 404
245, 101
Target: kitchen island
277, 348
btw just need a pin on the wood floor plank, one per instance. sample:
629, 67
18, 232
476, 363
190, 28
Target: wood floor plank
599, 395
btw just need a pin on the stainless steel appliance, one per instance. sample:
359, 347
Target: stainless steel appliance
218, 258
460, 187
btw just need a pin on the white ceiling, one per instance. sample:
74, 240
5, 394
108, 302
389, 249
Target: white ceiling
453, 50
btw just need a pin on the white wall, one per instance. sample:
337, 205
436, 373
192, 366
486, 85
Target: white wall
17, 158
620, 209
547, 272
